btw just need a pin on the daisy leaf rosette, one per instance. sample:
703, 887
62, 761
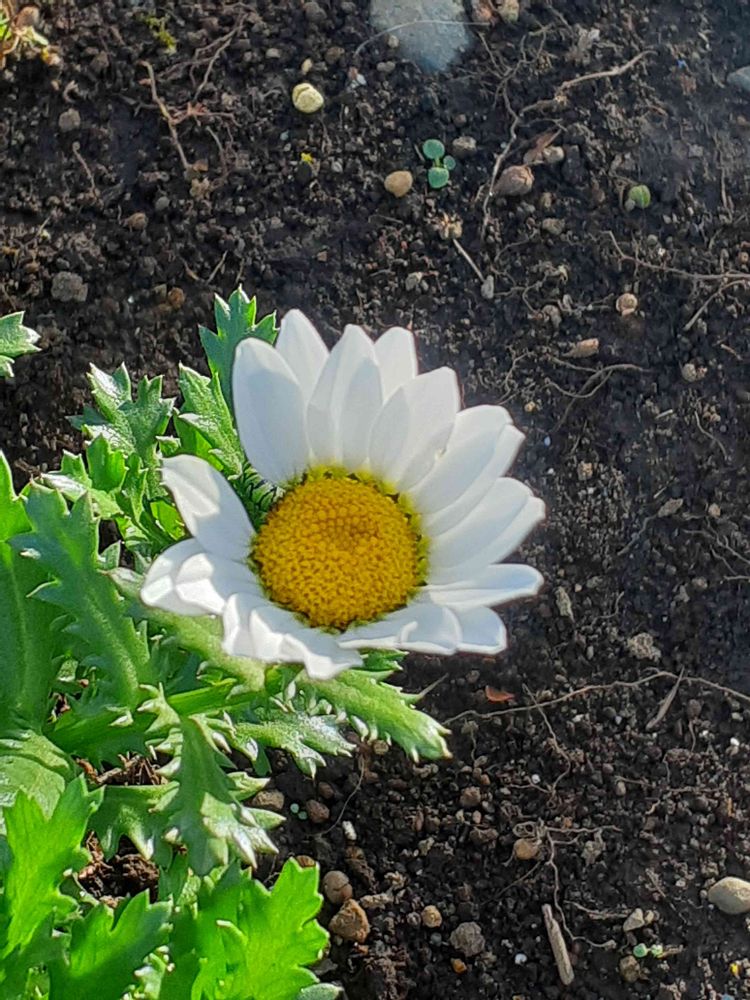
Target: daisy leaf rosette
394, 515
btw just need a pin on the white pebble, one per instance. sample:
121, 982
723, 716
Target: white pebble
348, 830
520, 959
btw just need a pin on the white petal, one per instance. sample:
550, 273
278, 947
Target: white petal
345, 402
158, 590
320, 653
264, 631
482, 631
489, 535
269, 408
246, 633
413, 427
422, 627
469, 451
302, 347
208, 581
397, 358
450, 516
211, 510
493, 585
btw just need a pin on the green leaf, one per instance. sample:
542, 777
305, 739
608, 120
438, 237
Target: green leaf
205, 411
204, 804
275, 937
438, 177
41, 850
130, 425
378, 710
65, 542
433, 149
320, 991
107, 948
31, 763
235, 321
132, 811
15, 340
29, 641
101, 475
449, 163
305, 737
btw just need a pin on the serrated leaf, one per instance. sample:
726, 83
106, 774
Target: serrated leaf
377, 709
205, 411
15, 340
235, 321
106, 949
204, 806
31, 763
41, 850
65, 542
130, 425
274, 937
29, 642
132, 811
305, 737
101, 475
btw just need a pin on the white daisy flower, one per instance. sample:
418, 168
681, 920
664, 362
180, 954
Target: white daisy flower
394, 521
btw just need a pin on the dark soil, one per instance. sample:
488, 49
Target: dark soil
632, 806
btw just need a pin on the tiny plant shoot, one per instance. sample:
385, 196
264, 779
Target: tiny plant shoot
439, 174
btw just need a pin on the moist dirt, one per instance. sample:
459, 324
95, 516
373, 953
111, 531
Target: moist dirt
613, 733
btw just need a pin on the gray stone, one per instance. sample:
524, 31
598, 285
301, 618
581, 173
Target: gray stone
635, 921
69, 121
468, 939
464, 147
69, 287
431, 32
730, 895
740, 78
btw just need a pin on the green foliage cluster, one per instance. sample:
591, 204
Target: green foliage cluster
92, 677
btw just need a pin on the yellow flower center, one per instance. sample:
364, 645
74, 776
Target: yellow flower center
337, 549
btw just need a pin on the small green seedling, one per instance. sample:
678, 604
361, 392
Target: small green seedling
642, 950
639, 196
439, 173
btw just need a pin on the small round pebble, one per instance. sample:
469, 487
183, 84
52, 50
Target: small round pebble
318, 812
399, 183
307, 98
351, 922
514, 182
69, 121
432, 917
336, 887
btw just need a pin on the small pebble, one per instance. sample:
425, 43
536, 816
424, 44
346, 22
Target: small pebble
555, 227
317, 812
347, 828
464, 147
307, 98
514, 182
336, 887
488, 288
526, 849
314, 12
350, 923
399, 183
740, 78
69, 287
643, 647
626, 304
634, 921
520, 958
508, 10
458, 966
432, 917
269, 798
552, 155
137, 222
69, 121
470, 797
730, 895
468, 939
630, 969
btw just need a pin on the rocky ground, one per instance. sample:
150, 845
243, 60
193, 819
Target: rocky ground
601, 766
